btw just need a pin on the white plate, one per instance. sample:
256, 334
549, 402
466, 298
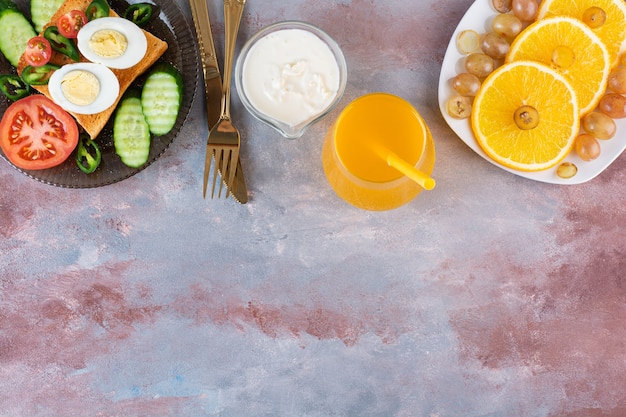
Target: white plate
478, 17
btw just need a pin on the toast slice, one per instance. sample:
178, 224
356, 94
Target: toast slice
94, 123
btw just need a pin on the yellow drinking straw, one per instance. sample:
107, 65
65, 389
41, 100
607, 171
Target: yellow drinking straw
410, 171
394, 161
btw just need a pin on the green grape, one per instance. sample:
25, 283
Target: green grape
567, 170
468, 41
587, 147
507, 25
526, 117
459, 107
563, 57
599, 125
494, 45
525, 10
594, 17
617, 80
502, 6
466, 84
613, 105
479, 64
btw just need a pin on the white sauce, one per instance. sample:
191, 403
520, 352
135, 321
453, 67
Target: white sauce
290, 75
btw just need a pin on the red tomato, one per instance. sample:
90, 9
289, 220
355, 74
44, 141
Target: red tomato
70, 23
38, 51
36, 133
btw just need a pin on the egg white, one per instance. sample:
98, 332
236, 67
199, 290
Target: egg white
109, 88
137, 43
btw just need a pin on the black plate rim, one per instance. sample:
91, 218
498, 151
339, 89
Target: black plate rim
177, 24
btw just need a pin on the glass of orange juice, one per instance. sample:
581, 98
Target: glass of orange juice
358, 150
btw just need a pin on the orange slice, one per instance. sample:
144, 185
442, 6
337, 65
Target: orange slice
573, 49
612, 31
510, 99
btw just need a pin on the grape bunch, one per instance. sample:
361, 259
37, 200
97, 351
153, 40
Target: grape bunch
600, 123
486, 51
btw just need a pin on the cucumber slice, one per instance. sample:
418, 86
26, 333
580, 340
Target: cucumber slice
161, 97
131, 132
42, 10
15, 32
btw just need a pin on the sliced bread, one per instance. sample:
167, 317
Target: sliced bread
94, 123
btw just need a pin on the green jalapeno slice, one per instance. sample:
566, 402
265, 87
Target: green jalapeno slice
60, 43
88, 155
140, 13
97, 9
38, 75
13, 87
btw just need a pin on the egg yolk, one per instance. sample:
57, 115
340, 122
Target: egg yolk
108, 43
80, 87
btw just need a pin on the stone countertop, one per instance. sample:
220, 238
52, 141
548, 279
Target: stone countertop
491, 295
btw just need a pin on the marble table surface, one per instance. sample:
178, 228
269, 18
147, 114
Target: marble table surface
492, 295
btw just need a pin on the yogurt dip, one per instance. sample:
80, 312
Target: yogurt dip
291, 76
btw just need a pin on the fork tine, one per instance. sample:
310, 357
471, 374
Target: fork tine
217, 154
226, 169
233, 184
219, 193
207, 166
221, 171
234, 156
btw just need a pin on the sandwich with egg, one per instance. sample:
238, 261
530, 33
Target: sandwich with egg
113, 53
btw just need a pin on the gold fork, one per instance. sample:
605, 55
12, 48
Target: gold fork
224, 138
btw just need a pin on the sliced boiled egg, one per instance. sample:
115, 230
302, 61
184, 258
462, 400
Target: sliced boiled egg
84, 87
112, 41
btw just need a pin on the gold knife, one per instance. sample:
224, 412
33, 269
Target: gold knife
213, 86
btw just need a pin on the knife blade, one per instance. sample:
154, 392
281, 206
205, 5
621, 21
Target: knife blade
213, 84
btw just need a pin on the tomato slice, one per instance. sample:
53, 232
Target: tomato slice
70, 23
36, 133
38, 51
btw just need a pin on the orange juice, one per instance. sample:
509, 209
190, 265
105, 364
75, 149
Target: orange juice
354, 149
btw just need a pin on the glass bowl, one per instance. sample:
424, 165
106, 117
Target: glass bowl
296, 126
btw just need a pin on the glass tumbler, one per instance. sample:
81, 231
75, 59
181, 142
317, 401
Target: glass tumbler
357, 149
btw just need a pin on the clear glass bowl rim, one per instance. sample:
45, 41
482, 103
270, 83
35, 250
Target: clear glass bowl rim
290, 132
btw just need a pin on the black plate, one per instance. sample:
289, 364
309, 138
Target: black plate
170, 26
